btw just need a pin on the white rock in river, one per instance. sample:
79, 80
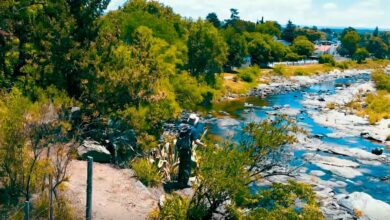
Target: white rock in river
346, 172
288, 111
317, 173
340, 167
370, 208
333, 161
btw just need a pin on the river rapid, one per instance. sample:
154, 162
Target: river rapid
362, 173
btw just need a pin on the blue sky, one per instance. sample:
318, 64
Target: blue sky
335, 13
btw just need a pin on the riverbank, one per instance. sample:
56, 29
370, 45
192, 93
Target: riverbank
333, 157
331, 110
237, 88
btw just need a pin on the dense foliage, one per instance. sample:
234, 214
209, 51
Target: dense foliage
227, 171
127, 72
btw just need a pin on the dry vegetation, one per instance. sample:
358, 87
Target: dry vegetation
376, 106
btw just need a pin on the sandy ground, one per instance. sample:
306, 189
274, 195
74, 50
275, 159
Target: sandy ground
116, 193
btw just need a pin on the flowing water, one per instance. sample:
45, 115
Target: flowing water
231, 126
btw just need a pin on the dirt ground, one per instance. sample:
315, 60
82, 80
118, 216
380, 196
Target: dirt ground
116, 194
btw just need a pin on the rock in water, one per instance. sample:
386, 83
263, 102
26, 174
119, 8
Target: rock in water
377, 151
95, 150
365, 207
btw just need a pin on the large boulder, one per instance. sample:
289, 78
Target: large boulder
363, 206
95, 150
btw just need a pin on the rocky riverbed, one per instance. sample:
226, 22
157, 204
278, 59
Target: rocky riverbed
335, 155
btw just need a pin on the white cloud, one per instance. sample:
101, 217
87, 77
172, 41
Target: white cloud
114, 4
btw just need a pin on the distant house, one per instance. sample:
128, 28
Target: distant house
325, 47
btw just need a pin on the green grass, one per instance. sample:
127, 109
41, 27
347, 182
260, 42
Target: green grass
312, 69
246, 79
305, 70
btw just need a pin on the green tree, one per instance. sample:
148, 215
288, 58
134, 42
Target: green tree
188, 91
302, 46
377, 47
360, 55
234, 14
160, 18
349, 43
288, 33
385, 36
376, 32
310, 34
46, 41
269, 27
207, 50
213, 18
264, 49
237, 47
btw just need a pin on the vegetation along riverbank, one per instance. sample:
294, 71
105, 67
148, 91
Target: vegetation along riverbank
235, 107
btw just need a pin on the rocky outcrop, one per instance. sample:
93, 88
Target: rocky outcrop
93, 149
363, 206
341, 119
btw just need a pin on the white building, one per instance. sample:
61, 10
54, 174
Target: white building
325, 47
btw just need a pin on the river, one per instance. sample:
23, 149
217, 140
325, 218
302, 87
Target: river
237, 115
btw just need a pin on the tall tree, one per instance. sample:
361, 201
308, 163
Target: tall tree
263, 49
360, 55
349, 43
269, 27
207, 50
377, 47
288, 33
302, 46
234, 14
213, 19
237, 48
376, 32
48, 40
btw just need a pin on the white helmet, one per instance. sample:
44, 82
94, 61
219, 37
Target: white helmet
193, 117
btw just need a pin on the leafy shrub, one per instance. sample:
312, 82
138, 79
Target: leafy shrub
327, 58
360, 55
280, 69
146, 172
378, 106
382, 80
188, 93
342, 65
247, 77
276, 202
174, 207
249, 74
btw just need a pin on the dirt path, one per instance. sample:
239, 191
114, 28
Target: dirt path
116, 193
